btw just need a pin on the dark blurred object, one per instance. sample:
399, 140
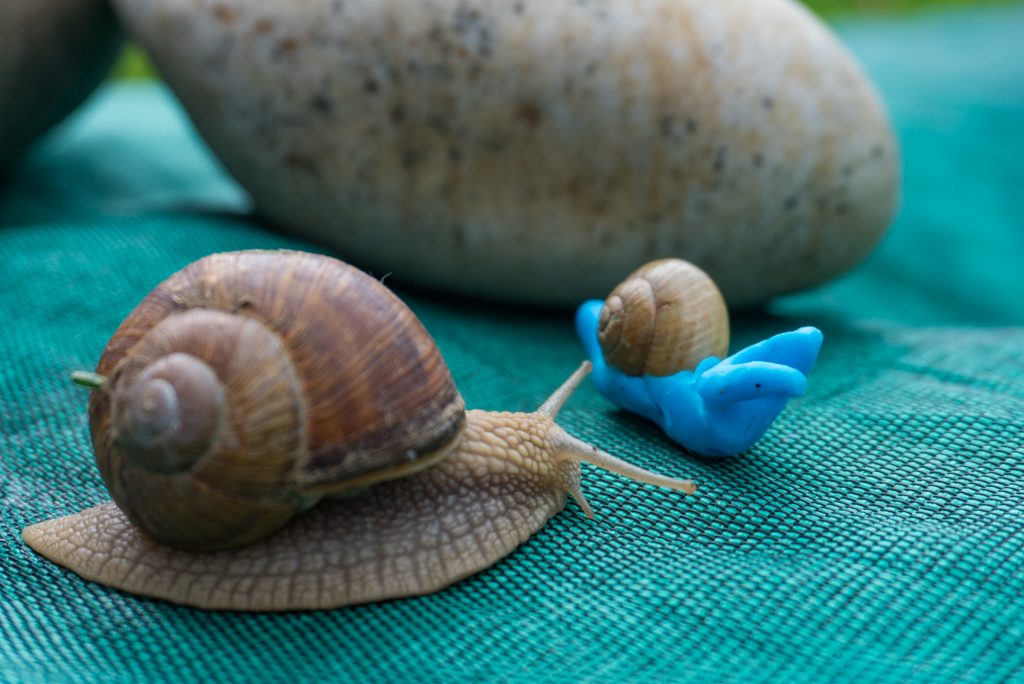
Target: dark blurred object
52, 54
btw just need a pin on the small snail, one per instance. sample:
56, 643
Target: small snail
667, 316
254, 386
655, 345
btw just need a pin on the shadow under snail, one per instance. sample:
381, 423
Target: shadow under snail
251, 387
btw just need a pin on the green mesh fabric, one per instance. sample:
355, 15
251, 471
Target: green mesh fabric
875, 534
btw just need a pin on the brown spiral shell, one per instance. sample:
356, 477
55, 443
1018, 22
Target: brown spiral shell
249, 385
667, 316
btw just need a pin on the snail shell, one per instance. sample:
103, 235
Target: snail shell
667, 316
248, 386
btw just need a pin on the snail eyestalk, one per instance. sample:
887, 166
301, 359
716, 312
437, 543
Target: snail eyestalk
580, 450
93, 381
554, 403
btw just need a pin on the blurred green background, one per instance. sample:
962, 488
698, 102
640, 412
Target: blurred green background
134, 64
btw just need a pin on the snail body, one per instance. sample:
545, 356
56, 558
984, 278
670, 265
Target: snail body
253, 387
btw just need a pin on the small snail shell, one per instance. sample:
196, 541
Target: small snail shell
667, 316
250, 386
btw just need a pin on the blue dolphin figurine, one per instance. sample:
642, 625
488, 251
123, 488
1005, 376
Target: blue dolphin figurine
721, 407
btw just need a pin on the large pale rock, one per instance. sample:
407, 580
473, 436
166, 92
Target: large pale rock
52, 54
540, 150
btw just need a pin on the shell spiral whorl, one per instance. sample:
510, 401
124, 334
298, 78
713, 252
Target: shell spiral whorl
201, 449
168, 419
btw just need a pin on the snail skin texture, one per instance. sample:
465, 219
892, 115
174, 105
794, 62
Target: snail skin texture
52, 54
536, 150
279, 432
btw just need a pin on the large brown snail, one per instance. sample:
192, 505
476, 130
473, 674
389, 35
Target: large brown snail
254, 386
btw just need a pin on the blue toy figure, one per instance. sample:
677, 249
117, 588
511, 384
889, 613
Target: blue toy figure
719, 408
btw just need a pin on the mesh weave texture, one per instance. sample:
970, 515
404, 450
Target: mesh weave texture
875, 534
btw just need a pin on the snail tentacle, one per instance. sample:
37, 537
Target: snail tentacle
576, 449
569, 448
88, 379
554, 403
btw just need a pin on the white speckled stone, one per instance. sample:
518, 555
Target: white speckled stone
540, 150
52, 54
